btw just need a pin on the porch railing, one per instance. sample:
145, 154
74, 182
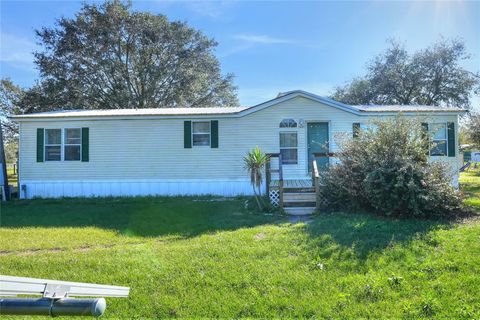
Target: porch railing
316, 183
315, 176
268, 176
320, 200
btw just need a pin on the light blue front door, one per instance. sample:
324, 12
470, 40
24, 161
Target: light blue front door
317, 142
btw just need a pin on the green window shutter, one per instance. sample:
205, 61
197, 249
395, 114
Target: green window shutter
85, 145
40, 144
214, 133
187, 134
356, 129
426, 137
451, 139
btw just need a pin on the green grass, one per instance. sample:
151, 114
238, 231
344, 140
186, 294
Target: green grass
470, 182
12, 178
208, 257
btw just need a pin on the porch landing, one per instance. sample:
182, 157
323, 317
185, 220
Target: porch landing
293, 183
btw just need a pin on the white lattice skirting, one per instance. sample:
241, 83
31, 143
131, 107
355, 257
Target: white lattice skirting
274, 195
322, 200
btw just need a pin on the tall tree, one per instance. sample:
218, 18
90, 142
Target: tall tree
432, 76
473, 128
10, 104
109, 57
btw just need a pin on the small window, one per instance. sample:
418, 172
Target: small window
288, 147
288, 123
201, 133
53, 144
72, 144
368, 126
439, 139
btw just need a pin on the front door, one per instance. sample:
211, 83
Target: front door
317, 142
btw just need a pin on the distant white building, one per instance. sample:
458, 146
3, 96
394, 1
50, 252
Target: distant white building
475, 156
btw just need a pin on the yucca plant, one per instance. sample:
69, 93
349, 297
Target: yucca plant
254, 162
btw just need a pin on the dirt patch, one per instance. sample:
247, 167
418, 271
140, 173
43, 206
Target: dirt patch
259, 236
28, 252
474, 219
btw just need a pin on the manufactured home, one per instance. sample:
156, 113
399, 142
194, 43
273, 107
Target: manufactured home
195, 151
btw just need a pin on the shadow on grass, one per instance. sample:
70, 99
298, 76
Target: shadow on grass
145, 216
362, 234
359, 234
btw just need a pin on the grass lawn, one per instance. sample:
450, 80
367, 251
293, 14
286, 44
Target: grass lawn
12, 178
209, 257
471, 187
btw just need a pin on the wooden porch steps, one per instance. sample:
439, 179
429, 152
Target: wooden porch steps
299, 211
299, 190
295, 197
298, 202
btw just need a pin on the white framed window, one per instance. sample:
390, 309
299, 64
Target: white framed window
72, 144
288, 123
368, 126
289, 147
439, 145
201, 133
63, 144
53, 144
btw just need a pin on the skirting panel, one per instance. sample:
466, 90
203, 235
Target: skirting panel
58, 189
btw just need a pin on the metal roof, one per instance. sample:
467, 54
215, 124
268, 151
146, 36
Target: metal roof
133, 112
234, 111
406, 108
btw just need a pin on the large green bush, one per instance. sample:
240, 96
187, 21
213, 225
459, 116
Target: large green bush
386, 169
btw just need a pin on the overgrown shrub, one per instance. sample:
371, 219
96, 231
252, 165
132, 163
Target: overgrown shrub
386, 169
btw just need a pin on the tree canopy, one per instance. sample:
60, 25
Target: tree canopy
110, 57
10, 97
433, 76
473, 128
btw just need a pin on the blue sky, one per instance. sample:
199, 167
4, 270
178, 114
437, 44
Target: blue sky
271, 46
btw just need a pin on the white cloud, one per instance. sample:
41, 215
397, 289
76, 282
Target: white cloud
16, 51
213, 10
261, 39
248, 41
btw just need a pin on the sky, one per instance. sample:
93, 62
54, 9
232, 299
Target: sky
271, 46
